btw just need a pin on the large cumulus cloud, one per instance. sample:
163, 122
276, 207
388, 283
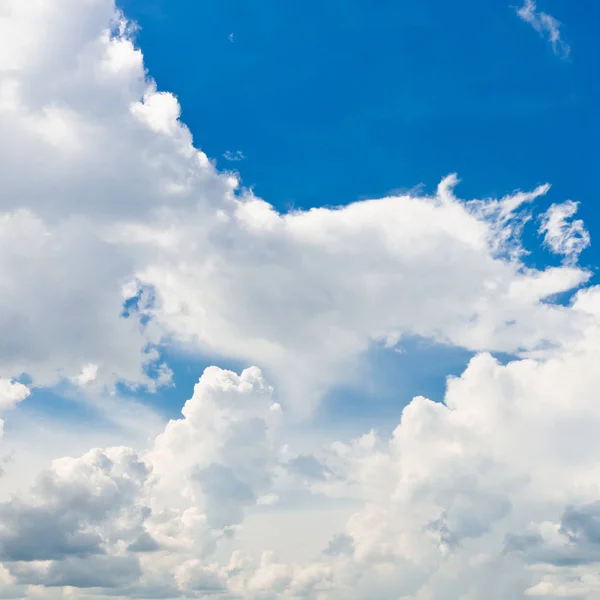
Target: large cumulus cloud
492, 493
118, 235
88, 520
106, 199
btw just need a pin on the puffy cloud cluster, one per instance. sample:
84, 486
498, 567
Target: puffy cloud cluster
307, 294
88, 141
492, 493
89, 522
106, 202
117, 235
496, 489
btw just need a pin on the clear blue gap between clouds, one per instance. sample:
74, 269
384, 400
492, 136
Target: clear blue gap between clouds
63, 403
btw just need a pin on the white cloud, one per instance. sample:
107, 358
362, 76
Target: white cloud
100, 514
88, 374
103, 187
495, 488
546, 25
11, 393
234, 156
268, 500
320, 287
108, 208
229, 438
569, 238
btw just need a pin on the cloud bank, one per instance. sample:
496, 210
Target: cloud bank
118, 237
493, 489
108, 208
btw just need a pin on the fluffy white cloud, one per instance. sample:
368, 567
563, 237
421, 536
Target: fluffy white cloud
117, 235
11, 393
306, 294
105, 195
222, 454
491, 494
89, 521
87, 141
546, 25
116, 522
494, 489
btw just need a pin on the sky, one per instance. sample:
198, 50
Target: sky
299, 301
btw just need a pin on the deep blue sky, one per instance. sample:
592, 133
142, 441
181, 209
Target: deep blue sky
339, 100
331, 101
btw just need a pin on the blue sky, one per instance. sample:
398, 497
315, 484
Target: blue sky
332, 102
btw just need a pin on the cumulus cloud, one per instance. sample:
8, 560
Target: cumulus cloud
70, 503
87, 130
492, 489
117, 235
321, 287
88, 521
546, 25
11, 393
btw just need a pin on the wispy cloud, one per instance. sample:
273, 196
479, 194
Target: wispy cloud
546, 25
562, 235
234, 156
